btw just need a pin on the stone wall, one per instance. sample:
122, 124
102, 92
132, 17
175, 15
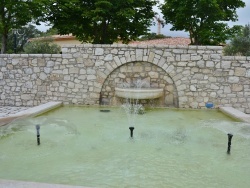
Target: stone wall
190, 75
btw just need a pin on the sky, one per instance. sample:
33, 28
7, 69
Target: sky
243, 19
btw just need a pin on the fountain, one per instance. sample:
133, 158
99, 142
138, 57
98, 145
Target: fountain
132, 107
131, 131
139, 93
167, 149
38, 134
230, 136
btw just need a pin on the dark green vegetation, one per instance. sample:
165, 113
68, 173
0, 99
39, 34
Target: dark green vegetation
101, 21
42, 46
22, 35
203, 19
152, 36
108, 21
240, 45
14, 14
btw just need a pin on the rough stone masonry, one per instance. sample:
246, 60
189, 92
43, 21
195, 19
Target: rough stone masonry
83, 74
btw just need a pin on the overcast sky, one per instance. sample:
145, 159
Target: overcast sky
243, 16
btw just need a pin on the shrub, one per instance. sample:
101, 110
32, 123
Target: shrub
152, 36
42, 46
240, 45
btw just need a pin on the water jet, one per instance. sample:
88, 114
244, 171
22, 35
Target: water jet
131, 131
230, 136
38, 134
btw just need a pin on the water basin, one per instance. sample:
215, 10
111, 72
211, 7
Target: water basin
139, 93
170, 148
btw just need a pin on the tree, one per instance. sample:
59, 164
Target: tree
42, 46
240, 45
14, 14
203, 19
101, 21
22, 36
51, 31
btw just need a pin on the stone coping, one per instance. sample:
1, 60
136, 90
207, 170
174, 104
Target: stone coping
23, 184
30, 112
235, 114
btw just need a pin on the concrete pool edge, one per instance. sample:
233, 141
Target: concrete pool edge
234, 113
23, 184
33, 111
30, 112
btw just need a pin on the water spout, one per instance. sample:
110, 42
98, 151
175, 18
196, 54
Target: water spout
230, 136
38, 134
131, 131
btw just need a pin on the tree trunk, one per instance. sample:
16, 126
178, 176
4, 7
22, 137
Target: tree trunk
4, 43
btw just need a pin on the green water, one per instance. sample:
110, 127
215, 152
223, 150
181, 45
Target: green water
170, 148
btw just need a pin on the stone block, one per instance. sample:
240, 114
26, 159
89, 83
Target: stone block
73, 70
233, 79
248, 73
237, 87
43, 76
240, 71
185, 57
99, 51
108, 57
209, 64
88, 62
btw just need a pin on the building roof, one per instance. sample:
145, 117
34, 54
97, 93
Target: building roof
56, 37
166, 41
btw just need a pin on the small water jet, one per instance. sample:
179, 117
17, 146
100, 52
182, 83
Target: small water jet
132, 107
131, 131
38, 134
230, 136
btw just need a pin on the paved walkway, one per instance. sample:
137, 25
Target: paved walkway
6, 111
9, 113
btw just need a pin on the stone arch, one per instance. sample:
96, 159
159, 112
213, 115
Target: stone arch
127, 72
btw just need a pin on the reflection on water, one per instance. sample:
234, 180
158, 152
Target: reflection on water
171, 148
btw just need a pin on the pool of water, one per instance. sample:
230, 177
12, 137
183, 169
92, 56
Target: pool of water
170, 148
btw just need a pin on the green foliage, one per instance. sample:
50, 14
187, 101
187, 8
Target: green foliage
240, 45
15, 14
204, 19
101, 21
51, 31
22, 36
42, 46
152, 36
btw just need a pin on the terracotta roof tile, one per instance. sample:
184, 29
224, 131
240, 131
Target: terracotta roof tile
166, 41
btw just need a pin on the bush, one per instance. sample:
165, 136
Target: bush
42, 46
240, 45
152, 36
